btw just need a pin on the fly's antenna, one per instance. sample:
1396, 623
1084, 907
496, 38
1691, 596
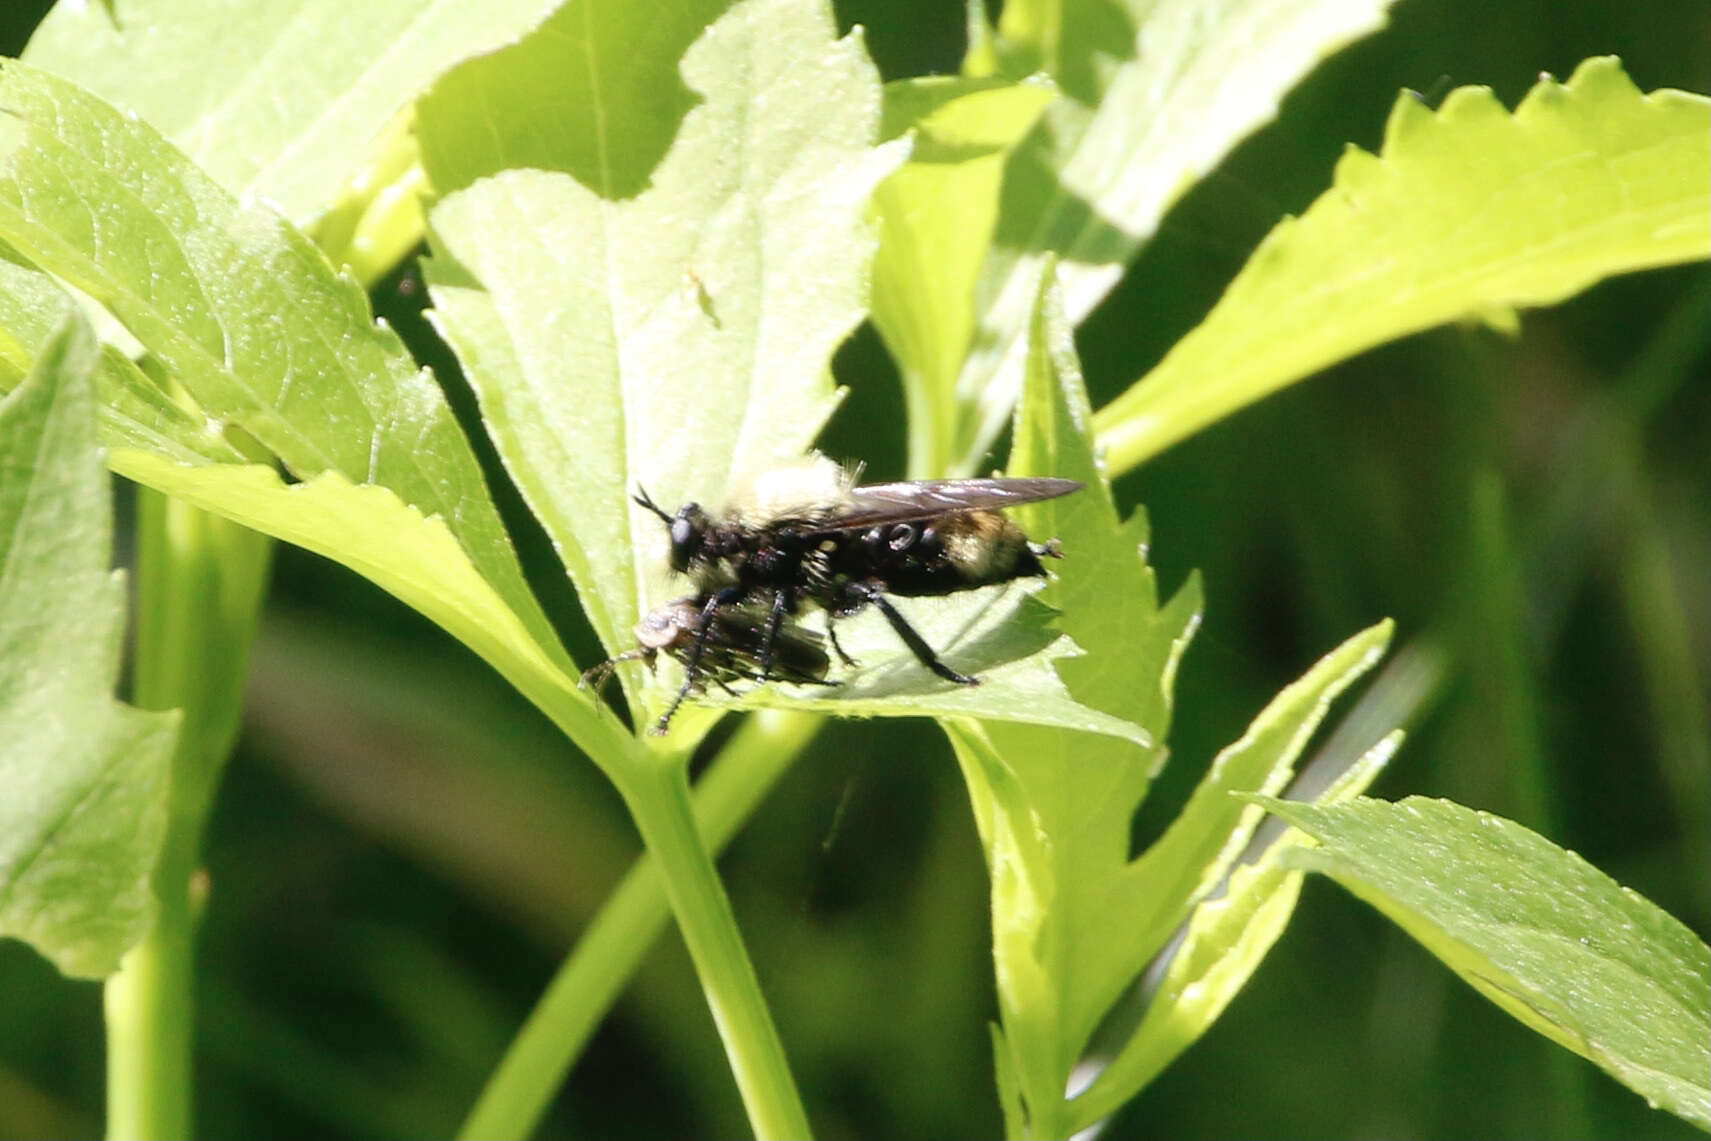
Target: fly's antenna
645, 500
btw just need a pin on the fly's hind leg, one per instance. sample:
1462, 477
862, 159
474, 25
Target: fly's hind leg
917, 644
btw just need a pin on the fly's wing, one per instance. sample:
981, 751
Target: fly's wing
908, 500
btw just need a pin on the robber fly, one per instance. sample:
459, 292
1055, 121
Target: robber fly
808, 535
728, 651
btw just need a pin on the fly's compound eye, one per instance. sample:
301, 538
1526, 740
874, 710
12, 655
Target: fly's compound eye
685, 538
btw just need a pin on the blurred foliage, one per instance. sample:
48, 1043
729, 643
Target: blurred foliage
404, 849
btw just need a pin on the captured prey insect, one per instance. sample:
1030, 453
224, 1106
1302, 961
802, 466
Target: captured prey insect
727, 650
808, 535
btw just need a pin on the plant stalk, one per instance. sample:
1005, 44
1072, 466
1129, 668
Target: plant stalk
657, 795
199, 586
608, 953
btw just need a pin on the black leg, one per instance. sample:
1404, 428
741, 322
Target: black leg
914, 641
595, 677
692, 663
832, 636
769, 639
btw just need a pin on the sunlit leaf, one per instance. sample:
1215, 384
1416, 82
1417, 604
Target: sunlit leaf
1152, 97
1225, 940
284, 101
1075, 917
1465, 211
85, 777
415, 558
597, 92
1546, 936
241, 310
1001, 635
678, 339
935, 218
1054, 808
133, 410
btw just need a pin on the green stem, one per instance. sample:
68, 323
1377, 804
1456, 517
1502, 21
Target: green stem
378, 218
199, 584
149, 1023
609, 952
657, 795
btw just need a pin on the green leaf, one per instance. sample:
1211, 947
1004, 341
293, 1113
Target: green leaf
86, 777
1054, 808
596, 93
133, 412
241, 310
415, 558
1075, 918
1546, 936
935, 217
1222, 945
1465, 211
1153, 96
1201, 844
1070, 938
285, 101
1003, 635
678, 339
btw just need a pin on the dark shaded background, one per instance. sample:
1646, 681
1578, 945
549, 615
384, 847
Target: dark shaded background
404, 849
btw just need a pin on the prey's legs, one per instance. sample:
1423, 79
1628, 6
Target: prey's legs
692, 663
769, 637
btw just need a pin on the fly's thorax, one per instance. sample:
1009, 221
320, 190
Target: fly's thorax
818, 566
761, 560
722, 553
811, 488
